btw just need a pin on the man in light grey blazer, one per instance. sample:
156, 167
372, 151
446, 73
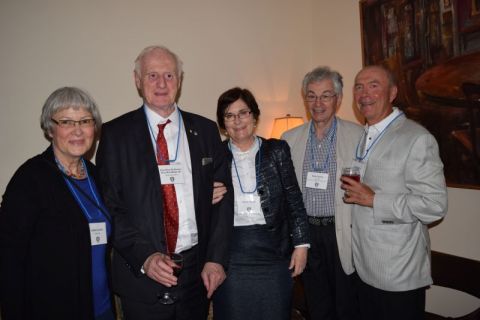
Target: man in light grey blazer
402, 191
319, 150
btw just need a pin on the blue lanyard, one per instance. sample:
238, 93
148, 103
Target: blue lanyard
257, 167
360, 158
155, 140
72, 189
331, 132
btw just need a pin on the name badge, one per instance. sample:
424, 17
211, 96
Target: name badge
248, 205
171, 174
317, 180
98, 233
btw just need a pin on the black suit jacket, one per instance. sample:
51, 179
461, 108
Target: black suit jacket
45, 250
130, 181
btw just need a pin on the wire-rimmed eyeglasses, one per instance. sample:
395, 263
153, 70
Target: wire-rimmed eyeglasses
242, 114
326, 97
68, 124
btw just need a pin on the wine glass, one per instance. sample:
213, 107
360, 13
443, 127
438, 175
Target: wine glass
352, 173
168, 297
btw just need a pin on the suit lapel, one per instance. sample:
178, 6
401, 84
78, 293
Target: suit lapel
298, 151
388, 139
143, 140
194, 145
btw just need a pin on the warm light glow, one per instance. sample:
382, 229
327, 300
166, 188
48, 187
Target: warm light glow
285, 123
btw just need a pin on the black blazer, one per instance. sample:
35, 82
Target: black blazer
280, 196
45, 251
131, 185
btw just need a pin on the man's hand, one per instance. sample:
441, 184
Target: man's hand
298, 260
357, 192
212, 276
219, 190
159, 267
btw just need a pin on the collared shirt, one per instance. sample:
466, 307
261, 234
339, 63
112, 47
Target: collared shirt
372, 132
187, 225
320, 156
245, 166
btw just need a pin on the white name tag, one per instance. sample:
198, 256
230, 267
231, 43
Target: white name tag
171, 174
248, 205
317, 180
98, 233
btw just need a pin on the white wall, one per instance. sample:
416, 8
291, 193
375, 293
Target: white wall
265, 45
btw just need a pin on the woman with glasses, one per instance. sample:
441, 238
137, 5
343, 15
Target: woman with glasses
54, 227
269, 244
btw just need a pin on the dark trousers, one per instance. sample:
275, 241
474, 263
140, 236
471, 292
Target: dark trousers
376, 304
258, 285
330, 293
192, 303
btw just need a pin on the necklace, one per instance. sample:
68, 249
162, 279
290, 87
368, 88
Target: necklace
80, 168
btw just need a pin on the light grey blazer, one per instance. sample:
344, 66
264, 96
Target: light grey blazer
391, 245
348, 135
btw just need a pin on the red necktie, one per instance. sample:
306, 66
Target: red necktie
170, 206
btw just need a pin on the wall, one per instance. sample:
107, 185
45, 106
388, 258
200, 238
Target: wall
265, 45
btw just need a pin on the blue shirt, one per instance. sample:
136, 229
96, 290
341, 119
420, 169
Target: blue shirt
101, 292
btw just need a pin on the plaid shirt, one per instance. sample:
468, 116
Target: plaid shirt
320, 156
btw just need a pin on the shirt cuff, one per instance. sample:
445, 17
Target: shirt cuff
304, 245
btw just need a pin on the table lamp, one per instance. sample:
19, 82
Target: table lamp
283, 124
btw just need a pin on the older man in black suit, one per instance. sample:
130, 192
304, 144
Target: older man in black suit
158, 165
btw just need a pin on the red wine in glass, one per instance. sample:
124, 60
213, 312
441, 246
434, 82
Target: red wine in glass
352, 173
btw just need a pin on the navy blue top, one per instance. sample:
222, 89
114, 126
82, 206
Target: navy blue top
101, 292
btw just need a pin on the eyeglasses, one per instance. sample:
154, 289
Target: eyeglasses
323, 98
69, 124
242, 114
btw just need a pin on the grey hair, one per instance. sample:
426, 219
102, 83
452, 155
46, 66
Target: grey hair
322, 73
64, 98
147, 50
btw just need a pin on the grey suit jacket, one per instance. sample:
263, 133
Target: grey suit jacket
391, 245
348, 135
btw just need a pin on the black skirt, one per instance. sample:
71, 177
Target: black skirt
259, 284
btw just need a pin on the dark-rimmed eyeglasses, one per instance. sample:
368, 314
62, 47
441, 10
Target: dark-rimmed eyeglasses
68, 124
326, 97
243, 114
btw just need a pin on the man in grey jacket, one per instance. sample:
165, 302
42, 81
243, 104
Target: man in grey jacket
402, 191
320, 148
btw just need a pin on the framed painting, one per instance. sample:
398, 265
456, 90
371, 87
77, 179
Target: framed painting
433, 49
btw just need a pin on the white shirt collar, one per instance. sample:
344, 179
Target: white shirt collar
379, 127
154, 118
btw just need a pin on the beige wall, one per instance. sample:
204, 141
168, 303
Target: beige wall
265, 45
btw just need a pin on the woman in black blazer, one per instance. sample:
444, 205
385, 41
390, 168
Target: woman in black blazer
269, 243
53, 224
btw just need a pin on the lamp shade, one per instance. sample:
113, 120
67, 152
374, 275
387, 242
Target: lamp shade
283, 124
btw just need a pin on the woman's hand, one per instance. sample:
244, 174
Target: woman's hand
298, 260
219, 190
